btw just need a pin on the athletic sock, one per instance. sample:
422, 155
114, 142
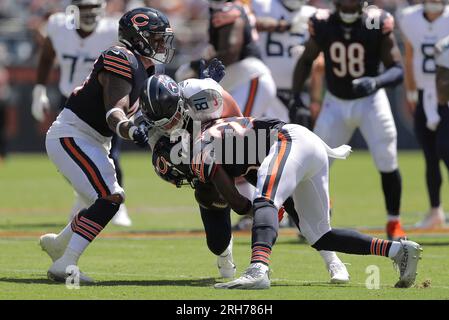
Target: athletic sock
64, 236
329, 257
394, 249
392, 189
380, 247
392, 218
261, 253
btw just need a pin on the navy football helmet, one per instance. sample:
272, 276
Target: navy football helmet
349, 10
147, 32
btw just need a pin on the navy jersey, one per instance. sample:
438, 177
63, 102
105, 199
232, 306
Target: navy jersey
250, 48
351, 51
238, 144
87, 101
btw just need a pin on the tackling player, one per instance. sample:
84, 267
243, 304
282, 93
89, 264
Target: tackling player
355, 42
289, 160
204, 101
76, 52
422, 26
78, 142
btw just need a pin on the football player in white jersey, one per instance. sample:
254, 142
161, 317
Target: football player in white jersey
422, 26
76, 51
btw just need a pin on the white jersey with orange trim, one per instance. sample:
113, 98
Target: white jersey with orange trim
281, 51
423, 35
76, 55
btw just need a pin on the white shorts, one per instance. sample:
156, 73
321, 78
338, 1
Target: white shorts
298, 166
83, 160
372, 115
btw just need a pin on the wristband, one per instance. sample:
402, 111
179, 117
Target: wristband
117, 128
113, 110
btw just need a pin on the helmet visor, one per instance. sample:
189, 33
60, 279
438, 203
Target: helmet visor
160, 46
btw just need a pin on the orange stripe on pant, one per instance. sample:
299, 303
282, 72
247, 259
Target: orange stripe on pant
274, 171
251, 98
89, 170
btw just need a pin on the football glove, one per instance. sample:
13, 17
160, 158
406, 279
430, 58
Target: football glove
40, 102
364, 87
140, 136
215, 70
299, 113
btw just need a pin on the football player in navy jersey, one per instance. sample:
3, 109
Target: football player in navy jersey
283, 160
78, 142
355, 42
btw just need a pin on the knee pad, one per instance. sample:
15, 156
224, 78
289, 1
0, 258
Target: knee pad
266, 224
117, 198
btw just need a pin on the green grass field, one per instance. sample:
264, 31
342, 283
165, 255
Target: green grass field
145, 262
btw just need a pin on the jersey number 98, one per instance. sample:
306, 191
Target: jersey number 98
348, 60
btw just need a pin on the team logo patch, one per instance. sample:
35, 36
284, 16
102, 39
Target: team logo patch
140, 20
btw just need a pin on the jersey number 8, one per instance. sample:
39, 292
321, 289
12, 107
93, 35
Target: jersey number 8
350, 60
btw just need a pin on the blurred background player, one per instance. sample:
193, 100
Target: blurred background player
78, 142
283, 29
354, 43
76, 47
7, 113
422, 26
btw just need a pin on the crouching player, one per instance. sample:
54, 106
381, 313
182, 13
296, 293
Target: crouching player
294, 163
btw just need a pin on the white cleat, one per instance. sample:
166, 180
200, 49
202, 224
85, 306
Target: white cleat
338, 272
406, 262
225, 263
122, 218
61, 270
253, 278
52, 247
434, 219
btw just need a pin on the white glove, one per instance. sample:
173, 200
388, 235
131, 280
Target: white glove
40, 102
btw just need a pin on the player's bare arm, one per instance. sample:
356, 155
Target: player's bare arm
226, 187
316, 86
442, 81
409, 77
269, 24
231, 42
392, 60
116, 100
304, 66
40, 100
45, 63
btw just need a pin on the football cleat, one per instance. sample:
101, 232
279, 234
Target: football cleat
255, 277
406, 261
122, 218
395, 231
49, 244
62, 269
434, 219
338, 272
225, 263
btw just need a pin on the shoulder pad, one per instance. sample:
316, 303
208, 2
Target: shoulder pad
119, 60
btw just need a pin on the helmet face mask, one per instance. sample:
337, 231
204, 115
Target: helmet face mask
349, 10
91, 11
162, 105
294, 5
147, 32
434, 6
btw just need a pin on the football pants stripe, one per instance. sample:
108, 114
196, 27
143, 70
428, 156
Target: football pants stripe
87, 166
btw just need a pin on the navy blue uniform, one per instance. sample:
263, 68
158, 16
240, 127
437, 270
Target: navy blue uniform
351, 51
250, 48
217, 137
87, 101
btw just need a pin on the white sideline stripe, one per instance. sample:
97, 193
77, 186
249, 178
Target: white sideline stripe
312, 282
